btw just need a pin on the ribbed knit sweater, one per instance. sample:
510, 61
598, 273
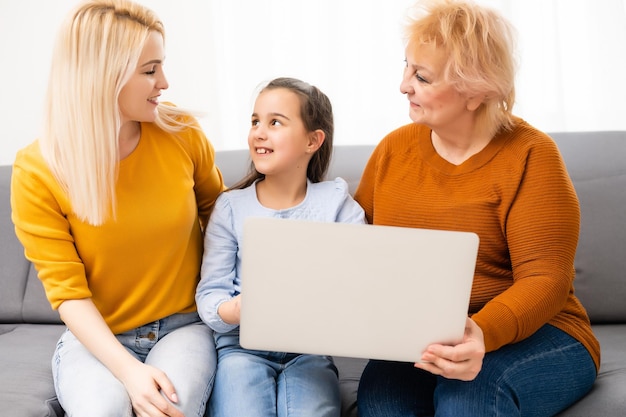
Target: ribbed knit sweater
517, 196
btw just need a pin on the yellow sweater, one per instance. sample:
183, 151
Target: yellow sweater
517, 196
144, 265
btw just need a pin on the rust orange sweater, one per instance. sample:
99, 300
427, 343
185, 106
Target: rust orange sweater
517, 196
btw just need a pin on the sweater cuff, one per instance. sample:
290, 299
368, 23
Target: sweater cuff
498, 323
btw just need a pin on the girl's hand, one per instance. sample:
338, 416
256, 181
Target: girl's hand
462, 361
230, 311
149, 390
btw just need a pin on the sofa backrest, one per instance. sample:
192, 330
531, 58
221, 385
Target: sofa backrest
22, 298
348, 162
596, 162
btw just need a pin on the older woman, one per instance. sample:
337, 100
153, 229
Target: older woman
467, 163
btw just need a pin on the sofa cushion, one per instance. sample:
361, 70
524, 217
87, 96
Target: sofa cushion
26, 387
599, 176
606, 398
350, 370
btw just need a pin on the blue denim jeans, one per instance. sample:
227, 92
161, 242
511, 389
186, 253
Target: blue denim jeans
180, 345
537, 377
254, 383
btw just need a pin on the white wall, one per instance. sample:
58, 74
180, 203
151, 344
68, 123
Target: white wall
218, 51
27, 32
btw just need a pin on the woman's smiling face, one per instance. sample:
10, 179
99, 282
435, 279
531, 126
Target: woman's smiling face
139, 97
433, 100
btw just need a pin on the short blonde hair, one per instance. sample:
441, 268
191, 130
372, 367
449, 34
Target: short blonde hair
96, 51
479, 44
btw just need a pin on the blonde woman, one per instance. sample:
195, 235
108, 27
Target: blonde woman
109, 204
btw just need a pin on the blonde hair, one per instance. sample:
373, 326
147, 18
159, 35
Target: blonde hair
96, 51
479, 44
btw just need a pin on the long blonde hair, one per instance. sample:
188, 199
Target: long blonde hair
480, 45
96, 51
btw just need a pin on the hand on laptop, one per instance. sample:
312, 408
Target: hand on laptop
230, 311
462, 361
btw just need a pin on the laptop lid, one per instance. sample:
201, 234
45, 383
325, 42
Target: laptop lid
364, 291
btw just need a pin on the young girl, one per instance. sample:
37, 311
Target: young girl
290, 145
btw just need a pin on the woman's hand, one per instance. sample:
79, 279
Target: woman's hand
230, 311
462, 361
148, 388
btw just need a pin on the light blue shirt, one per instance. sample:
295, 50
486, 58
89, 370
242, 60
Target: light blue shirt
327, 201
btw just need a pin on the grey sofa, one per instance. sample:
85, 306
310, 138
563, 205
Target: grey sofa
596, 162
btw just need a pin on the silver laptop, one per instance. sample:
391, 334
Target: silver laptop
363, 291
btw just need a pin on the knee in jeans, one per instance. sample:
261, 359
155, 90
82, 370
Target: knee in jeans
111, 401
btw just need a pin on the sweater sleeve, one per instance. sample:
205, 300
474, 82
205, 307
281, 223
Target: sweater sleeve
39, 212
542, 233
208, 182
364, 193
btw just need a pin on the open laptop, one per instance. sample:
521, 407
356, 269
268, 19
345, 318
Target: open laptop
363, 291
